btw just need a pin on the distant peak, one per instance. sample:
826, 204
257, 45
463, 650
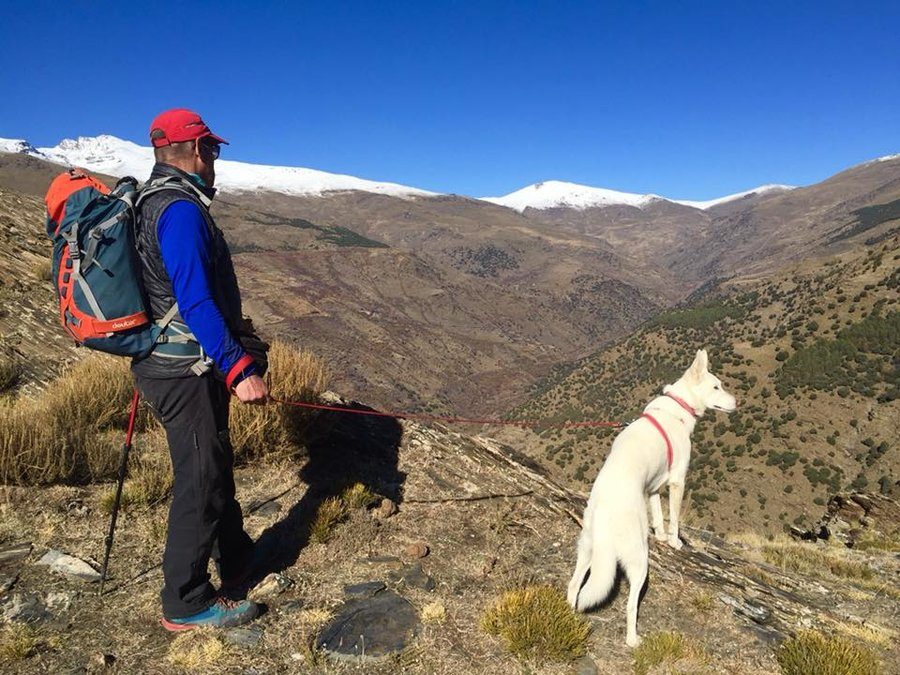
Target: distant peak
550, 194
17, 146
118, 157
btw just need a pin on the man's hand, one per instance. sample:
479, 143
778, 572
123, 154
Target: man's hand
252, 389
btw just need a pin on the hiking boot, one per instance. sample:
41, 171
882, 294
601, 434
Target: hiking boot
224, 613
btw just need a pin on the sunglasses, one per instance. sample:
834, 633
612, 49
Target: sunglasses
211, 148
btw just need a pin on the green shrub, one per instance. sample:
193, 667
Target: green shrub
537, 624
331, 513
811, 652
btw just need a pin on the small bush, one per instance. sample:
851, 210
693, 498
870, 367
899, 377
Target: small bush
358, 496
258, 430
812, 652
72, 432
664, 648
537, 624
331, 513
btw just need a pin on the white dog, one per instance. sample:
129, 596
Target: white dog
650, 452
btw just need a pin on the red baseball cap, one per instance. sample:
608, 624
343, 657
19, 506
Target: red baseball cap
179, 125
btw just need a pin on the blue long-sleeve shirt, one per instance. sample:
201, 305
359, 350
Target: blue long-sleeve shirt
186, 245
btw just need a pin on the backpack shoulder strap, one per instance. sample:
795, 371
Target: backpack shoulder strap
170, 183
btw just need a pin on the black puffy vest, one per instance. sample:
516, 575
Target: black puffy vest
158, 285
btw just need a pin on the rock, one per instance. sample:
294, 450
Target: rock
364, 590
850, 515
416, 550
585, 666
266, 508
70, 566
244, 637
370, 630
413, 576
754, 611
274, 584
14, 552
386, 509
101, 661
25, 608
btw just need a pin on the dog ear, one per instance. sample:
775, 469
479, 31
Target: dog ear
700, 365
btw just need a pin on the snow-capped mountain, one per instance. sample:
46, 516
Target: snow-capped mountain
553, 194
111, 155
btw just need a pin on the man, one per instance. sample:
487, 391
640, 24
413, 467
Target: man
192, 290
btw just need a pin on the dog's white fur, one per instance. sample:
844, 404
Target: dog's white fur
615, 525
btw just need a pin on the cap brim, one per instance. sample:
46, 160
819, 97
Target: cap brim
217, 139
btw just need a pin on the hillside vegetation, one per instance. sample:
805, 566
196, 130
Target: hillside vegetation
813, 356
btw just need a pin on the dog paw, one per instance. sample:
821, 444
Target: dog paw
632, 641
675, 542
659, 535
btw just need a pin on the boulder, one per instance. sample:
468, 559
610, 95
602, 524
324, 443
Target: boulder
69, 566
370, 630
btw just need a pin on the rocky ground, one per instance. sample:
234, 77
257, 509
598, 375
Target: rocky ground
472, 520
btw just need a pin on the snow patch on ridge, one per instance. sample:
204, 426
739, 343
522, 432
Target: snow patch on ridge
117, 157
762, 189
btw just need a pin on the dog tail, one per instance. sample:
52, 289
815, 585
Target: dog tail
596, 584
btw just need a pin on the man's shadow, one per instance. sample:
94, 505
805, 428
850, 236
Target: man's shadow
344, 448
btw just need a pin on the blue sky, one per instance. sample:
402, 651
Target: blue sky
690, 100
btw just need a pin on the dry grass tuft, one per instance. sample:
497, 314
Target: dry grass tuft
811, 652
665, 648
358, 496
331, 513
811, 559
875, 541
294, 375
314, 617
197, 651
18, 641
537, 624
72, 432
867, 632
703, 601
434, 612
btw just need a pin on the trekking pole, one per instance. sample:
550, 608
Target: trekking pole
123, 467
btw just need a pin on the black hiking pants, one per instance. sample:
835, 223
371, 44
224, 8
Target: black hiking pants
205, 518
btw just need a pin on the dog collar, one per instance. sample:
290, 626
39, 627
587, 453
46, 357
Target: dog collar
683, 404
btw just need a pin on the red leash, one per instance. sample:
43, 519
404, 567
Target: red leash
422, 417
